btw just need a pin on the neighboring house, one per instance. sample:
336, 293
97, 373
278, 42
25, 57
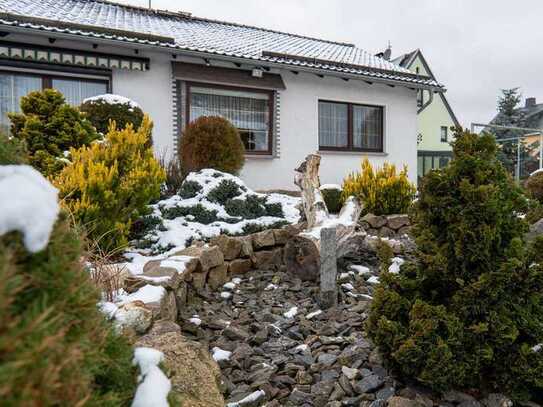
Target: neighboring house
531, 114
435, 118
289, 95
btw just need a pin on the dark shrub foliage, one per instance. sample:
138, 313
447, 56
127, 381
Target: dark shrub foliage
144, 225
226, 190
534, 185
333, 199
211, 142
534, 212
12, 151
274, 209
56, 348
469, 312
100, 113
49, 127
189, 189
200, 213
251, 207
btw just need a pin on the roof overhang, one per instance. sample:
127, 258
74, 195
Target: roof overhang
173, 48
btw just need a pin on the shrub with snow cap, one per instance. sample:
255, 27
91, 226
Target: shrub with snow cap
29, 205
210, 203
102, 109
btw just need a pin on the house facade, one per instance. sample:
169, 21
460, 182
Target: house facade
435, 118
288, 95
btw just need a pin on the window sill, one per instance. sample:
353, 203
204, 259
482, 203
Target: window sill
260, 156
358, 153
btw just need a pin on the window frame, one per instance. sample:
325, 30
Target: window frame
47, 78
271, 112
350, 127
446, 140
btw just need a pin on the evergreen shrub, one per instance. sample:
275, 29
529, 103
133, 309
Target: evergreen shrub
333, 197
56, 348
110, 184
534, 186
100, 112
189, 189
226, 190
12, 151
49, 127
211, 142
468, 313
382, 191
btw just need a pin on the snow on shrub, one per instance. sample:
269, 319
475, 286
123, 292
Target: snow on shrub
210, 203
32, 207
102, 109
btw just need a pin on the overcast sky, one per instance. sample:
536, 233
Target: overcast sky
474, 47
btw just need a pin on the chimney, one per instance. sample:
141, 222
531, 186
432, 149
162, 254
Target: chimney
531, 102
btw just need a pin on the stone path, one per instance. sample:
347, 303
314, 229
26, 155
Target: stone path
275, 346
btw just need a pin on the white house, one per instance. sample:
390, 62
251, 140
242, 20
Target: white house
289, 95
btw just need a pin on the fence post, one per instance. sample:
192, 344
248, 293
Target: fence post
328, 271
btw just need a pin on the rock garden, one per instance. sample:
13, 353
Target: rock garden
173, 283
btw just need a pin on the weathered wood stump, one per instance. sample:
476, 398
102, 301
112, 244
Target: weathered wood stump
303, 251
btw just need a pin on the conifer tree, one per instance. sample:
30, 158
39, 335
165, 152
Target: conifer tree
468, 313
49, 127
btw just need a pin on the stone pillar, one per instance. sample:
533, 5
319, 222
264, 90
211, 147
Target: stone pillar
328, 271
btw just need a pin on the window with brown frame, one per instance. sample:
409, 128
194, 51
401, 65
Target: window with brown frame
16, 84
350, 127
249, 110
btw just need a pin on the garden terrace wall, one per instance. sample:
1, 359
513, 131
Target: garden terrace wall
207, 267
391, 226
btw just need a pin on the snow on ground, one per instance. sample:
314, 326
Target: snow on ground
148, 293
397, 262
154, 385
32, 207
313, 314
360, 270
112, 99
373, 280
176, 227
220, 354
291, 313
249, 400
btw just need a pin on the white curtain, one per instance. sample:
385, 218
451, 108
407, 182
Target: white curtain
333, 124
247, 111
12, 88
368, 127
75, 91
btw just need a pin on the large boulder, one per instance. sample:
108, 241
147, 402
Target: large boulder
194, 375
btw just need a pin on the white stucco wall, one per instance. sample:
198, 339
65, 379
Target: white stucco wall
298, 116
153, 91
299, 130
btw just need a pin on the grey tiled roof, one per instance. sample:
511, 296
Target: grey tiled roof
103, 19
